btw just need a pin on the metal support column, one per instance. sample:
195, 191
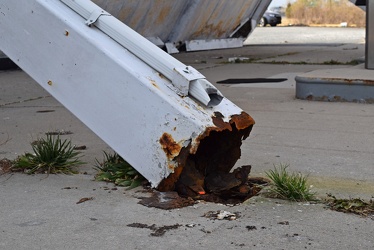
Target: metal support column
145, 104
369, 35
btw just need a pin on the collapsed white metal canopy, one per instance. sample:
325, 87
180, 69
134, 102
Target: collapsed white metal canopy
149, 107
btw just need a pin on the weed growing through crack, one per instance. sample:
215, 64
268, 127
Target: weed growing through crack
115, 169
51, 156
334, 62
353, 205
291, 186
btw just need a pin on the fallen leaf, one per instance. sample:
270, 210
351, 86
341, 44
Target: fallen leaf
85, 199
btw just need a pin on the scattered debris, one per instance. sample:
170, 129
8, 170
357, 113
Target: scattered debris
221, 215
229, 189
238, 59
205, 231
70, 188
356, 206
83, 147
250, 228
283, 223
59, 132
85, 199
166, 200
157, 231
292, 235
45, 111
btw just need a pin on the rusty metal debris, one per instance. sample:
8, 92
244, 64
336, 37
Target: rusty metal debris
166, 200
228, 195
226, 188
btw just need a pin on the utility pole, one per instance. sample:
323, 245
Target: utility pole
369, 64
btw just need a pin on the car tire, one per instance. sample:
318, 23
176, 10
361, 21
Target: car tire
273, 25
262, 22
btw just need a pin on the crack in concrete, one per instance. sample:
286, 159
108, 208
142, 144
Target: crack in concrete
27, 100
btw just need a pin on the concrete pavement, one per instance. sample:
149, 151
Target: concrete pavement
332, 142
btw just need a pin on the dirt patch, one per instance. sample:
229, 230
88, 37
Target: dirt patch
5, 166
355, 206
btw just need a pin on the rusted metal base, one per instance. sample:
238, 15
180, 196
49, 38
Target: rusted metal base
247, 188
205, 167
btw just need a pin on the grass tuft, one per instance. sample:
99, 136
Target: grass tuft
290, 186
115, 169
51, 156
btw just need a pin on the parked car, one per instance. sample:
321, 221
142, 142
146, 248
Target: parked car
271, 18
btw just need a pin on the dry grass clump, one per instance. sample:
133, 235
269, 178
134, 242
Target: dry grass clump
319, 12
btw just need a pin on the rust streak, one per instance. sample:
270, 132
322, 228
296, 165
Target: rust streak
164, 12
170, 147
153, 82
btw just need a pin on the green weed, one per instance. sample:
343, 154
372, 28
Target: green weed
334, 62
291, 186
115, 169
51, 156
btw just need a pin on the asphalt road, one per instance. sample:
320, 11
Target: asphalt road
331, 142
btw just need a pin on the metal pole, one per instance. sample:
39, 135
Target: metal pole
369, 35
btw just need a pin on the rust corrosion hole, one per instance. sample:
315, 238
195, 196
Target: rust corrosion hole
205, 173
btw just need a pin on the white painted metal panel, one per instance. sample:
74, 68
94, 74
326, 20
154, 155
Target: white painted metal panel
121, 98
196, 45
